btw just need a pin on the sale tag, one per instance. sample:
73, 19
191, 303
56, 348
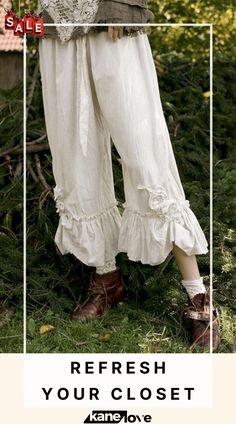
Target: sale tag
28, 23
18, 27
9, 20
38, 26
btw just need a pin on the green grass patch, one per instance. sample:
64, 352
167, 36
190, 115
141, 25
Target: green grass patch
11, 331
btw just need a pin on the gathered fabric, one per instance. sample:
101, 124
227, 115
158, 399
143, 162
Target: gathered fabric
97, 92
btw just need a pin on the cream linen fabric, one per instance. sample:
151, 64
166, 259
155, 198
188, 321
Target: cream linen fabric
95, 89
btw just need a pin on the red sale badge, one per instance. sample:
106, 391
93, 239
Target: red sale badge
9, 20
18, 27
28, 23
38, 26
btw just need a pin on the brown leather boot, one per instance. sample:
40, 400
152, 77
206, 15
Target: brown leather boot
199, 313
105, 291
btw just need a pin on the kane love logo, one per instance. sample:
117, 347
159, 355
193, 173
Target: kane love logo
109, 417
28, 25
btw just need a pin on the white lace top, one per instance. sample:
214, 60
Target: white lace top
70, 11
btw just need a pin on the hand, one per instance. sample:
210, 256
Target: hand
115, 32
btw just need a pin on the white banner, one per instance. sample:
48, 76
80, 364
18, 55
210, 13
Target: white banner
114, 381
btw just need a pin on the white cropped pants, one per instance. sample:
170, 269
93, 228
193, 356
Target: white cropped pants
95, 90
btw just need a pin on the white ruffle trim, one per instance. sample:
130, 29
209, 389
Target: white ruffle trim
149, 237
146, 237
93, 239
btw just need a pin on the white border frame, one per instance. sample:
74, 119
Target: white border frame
210, 26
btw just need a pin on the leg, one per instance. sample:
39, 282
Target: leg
187, 264
157, 218
156, 214
80, 142
81, 152
192, 281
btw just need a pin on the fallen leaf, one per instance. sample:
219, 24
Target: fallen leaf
105, 337
46, 328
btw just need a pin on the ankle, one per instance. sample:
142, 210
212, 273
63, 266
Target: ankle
109, 266
194, 287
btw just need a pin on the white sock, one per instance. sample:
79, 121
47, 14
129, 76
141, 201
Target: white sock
194, 287
109, 266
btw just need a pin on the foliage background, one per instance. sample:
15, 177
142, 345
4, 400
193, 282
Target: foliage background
149, 319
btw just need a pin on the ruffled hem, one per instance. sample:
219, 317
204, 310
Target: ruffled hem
148, 238
92, 239
145, 236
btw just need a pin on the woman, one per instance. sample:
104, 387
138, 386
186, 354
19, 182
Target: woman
100, 84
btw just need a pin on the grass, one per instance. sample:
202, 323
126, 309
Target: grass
125, 329
148, 321
11, 331
150, 327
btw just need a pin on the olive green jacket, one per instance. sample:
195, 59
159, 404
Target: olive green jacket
110, 11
